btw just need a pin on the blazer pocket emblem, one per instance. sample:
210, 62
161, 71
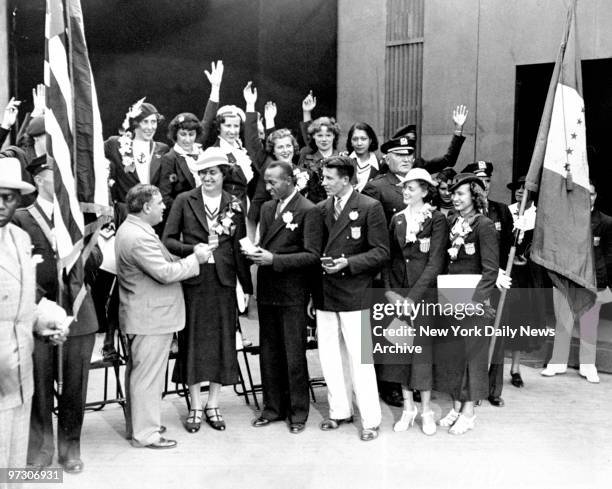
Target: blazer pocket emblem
355, 232
424, 244
498, 225
470, 248
596, 240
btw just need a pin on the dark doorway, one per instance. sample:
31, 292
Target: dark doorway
531, 87
160, 48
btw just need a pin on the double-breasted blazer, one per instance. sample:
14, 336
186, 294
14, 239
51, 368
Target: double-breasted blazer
187, 226
122, 181
150, 294
360, 235
295, 239
175, 177
416, 265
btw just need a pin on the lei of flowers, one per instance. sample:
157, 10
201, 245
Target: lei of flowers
125, 139
458, 232
301, 178
414, 223
225, 224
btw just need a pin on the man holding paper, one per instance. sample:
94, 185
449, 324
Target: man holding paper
288, 256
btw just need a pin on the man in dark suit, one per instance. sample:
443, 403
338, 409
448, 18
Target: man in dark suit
399, 154
355, 248
288, 256
37, 221
499, 213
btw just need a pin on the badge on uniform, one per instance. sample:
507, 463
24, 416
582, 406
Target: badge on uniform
424, 244
498, 225
355, 232
353, 215
470, 248
596, 240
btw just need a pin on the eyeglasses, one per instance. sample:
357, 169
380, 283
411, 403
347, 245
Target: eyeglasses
9, 198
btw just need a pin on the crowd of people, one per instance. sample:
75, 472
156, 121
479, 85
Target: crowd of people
234, 207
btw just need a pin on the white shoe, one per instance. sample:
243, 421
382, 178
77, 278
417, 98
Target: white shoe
449, 419
589, 371
428, 425
462, 425
406, 421
553, 369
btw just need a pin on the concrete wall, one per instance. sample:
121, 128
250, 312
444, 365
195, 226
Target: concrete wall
474, 46
361, 64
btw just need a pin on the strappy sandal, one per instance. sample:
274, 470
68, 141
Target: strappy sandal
215, 420
462, 425
194, 420
449, 419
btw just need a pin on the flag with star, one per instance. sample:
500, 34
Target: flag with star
559, 172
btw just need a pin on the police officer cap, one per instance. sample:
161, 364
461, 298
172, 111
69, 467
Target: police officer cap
480, 168
39, 164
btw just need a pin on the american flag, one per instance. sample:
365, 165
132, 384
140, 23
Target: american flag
75, 143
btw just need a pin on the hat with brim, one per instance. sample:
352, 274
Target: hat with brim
210, 158
464, 178
420, 174
518, 184
10, 176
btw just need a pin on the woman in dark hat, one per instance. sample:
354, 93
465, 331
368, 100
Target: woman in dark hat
418, 237
524, 303
461, 368
207, 345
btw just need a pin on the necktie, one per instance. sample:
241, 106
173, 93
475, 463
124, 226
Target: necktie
278, 209
337, 209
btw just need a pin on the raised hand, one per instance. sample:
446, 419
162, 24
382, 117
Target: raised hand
309, 102
270, 111
39, 100
10, 113
215, 75
250, 96
459, 116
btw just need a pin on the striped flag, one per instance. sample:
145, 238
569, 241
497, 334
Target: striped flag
559, 172
75, 143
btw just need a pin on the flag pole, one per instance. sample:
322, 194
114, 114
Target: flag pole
511, 255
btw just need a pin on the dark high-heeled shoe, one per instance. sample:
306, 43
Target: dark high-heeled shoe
215, 420
516, 380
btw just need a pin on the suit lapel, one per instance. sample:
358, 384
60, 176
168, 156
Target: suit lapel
278, 223
155, 161
329, 214
196, 201
184, 168
343, 218
400, 229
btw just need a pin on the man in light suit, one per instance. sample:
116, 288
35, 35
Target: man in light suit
355, 248
151, 309
19, 315
288, 257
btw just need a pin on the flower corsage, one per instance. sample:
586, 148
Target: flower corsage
414, 223
225, 223
288, 220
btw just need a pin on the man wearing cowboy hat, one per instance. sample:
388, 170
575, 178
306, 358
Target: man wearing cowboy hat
37, 220
499, 213
19, 316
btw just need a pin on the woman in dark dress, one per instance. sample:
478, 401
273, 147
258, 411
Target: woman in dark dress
418, 237
461, 364
207, 345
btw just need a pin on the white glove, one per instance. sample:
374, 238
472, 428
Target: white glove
503, 281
